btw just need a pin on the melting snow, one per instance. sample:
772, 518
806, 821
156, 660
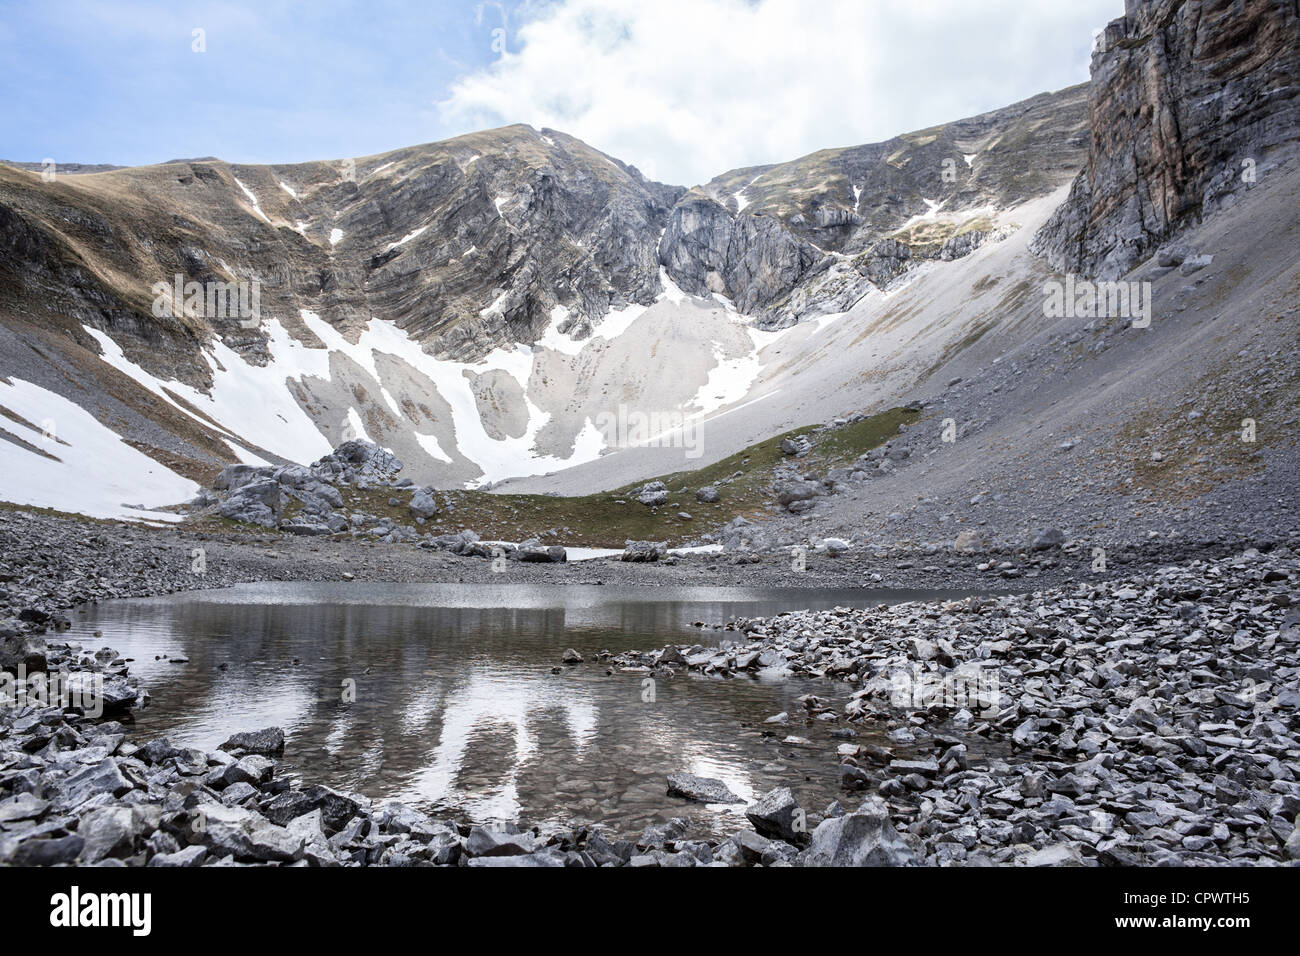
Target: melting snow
729, 381
96, 474
926, 216
358, 427
559, 341
251, 198
618, 321
406, 238
287, 188
251, 402
430, 444
672, 292
335, 235
970, 158
509, 457
739, 195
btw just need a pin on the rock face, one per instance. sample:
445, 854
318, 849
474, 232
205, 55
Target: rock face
467, 243
1190, 102
750, 259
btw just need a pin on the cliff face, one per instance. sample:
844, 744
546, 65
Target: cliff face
1191, 101
761, 233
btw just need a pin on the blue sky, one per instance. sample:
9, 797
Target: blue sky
684, 89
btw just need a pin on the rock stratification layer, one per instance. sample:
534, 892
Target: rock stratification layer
1191, 101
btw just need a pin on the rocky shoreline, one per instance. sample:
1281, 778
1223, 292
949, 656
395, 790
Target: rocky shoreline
1143, 720
1146, 721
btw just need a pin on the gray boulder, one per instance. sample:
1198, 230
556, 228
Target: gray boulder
700, 789
422, 505
643, 551
487, 841
790, 492
1046, 538
243, 833
268, 742
257, 502
777, 814
26, 650
652, 494
863, 838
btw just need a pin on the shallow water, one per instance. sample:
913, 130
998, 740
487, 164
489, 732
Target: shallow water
456, 708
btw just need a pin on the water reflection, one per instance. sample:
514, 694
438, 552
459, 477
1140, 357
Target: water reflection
443, 696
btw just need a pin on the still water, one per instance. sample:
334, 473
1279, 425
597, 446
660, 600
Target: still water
456, 710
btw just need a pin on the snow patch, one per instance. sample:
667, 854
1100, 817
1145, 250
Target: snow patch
729, 381
250, 402
556, 340
251, 198
406, 238
672, 292
95, 473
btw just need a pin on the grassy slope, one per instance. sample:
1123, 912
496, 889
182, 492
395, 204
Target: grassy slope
608, 519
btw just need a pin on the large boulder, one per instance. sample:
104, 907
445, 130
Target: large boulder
422, 505
23, 650
357, 461
257, 502
652, 494
488, 841
536, 554
790, 492
236, 476
245, 834
863, 838
777, 814
643, 551
336, 808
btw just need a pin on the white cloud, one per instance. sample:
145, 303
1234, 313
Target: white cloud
686, 89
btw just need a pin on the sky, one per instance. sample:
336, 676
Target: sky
682, 89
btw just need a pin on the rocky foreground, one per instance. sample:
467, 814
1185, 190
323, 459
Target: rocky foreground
1146, 720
